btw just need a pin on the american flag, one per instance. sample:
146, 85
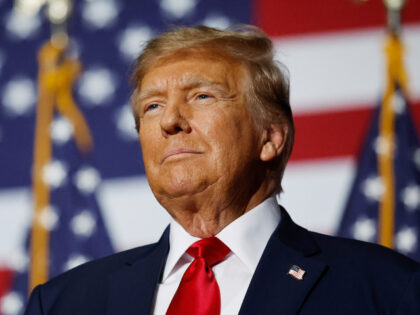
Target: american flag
334, 53
77, 232
296, 272
361, 216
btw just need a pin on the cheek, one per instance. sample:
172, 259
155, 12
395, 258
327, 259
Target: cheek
149, 143
229, 136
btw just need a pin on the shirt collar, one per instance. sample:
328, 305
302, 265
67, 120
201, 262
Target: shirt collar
246, 237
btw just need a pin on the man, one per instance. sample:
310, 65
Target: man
215, 125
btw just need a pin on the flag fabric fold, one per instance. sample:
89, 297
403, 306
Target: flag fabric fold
67, 225
384, 202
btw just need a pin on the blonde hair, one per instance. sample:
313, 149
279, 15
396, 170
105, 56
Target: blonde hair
268, 96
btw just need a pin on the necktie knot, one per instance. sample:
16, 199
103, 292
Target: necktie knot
211, 249
198, 293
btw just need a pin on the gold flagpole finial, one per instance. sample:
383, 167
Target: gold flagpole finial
394, 8
57, 12
57, 73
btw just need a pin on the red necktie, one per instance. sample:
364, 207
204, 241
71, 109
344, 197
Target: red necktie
198, 293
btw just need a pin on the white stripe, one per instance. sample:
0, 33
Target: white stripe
133, 215
315, 192
343, 70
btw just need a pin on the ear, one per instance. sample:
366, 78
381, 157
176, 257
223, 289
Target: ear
275, 138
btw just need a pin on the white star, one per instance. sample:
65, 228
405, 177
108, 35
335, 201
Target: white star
383, 145
398, 103
19, 260
100, 13
410, 196
58, 11
12, 304
131, 40
19, 96
54, 173
87, 179
74, 261
83, 224
364, 229
29, 7
61, 130
125, 123
416, 158
97, 86
217, 21
373, 188
406, 240
178, 8
48, 218
22, 26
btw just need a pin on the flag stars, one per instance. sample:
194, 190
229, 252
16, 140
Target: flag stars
87, 179
131, 39
61, 130
100, 14
217, 21
97, 86
74, 261
54, 173
398, 103
410, 196
19, 260
178, 8
406, 240
22, 26
364, 229
383, 145
373, 188
12, 304
19, 96
83, 224
125, 123
48, 218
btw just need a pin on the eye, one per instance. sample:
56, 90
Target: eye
151, 107
203, 96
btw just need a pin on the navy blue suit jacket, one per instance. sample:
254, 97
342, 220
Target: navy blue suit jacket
342, 277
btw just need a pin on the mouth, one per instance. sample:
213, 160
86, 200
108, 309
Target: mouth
178, 153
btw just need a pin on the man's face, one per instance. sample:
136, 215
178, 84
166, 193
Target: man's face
195, 130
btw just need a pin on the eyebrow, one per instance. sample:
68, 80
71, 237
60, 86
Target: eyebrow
148, 93
190, 84
197, 83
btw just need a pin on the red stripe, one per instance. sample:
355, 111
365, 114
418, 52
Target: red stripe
279, 18
6, 277
335, 134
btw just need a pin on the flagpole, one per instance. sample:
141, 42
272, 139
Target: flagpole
39, 241
394, 8
395, 76
56, 76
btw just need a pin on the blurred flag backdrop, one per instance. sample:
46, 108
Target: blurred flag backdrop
333, 49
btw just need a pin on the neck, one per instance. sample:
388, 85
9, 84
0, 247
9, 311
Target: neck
206, 213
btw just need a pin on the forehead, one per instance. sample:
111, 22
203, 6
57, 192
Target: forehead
193, 68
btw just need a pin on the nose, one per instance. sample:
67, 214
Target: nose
173, 121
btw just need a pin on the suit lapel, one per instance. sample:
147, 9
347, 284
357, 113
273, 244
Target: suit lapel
132, 288
272, 289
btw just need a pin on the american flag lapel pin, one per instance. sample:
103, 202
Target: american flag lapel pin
296, 272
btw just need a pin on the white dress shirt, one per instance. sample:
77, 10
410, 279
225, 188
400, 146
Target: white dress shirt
246, 237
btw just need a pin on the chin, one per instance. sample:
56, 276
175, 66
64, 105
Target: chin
179, 187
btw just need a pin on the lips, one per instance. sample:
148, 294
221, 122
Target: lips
178, 152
